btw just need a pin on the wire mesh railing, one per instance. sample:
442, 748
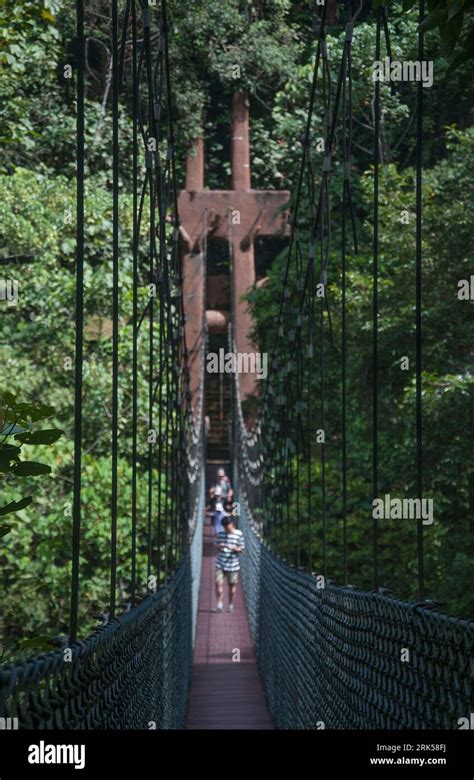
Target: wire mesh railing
333, 657
133, 673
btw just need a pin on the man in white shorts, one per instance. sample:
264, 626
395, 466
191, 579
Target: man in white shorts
230, 543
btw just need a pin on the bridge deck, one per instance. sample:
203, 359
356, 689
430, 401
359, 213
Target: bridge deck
224, 694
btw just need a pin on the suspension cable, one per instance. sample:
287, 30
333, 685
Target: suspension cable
375, 272
79, 325
135, 239
115, 306
419, 259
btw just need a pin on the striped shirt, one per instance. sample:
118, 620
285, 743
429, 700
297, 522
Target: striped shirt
227, 559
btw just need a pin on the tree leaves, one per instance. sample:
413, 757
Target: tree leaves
454, 7
448, 393
9, 455
47, 15
15, 506
466, 53
34, 411
47, 436
30, 468
10, 463
450, 33
435, 19
23, 413
42, 642
447, 16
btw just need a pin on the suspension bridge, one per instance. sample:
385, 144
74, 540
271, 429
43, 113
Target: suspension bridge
300, 650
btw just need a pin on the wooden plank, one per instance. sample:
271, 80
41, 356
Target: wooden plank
225, 693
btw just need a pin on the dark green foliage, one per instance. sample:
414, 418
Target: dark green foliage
17, 420
273, 44
448, 385
454, 21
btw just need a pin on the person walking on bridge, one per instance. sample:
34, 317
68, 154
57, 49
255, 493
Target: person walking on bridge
221, 488
217, 517
230, 543
226, 488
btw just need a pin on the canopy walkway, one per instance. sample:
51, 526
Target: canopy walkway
226, 692
300, 651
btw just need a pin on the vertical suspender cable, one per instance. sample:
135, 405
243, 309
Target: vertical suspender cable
326, 81
178, 277
308, 413
419, 227
115, 307
299, 365
150, 157
135, 302
375, 272
322, 415
344, 336
161, 489
150, 400
161, 492
347, 211
160, 419
79, 304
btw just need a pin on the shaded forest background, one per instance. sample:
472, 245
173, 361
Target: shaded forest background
273, 43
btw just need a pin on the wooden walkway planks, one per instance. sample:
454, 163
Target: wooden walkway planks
224, 694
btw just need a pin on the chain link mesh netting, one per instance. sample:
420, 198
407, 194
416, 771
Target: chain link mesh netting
332, 657
133, 673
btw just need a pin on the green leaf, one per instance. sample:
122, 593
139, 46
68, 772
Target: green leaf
34, 411
4, 530
8, 454
15, 506
30, 468
450, 32
47, 15
466, 53
435, 19
454, 6
48, 436
37, 643
9, 398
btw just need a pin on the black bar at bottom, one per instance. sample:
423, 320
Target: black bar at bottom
110, 753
